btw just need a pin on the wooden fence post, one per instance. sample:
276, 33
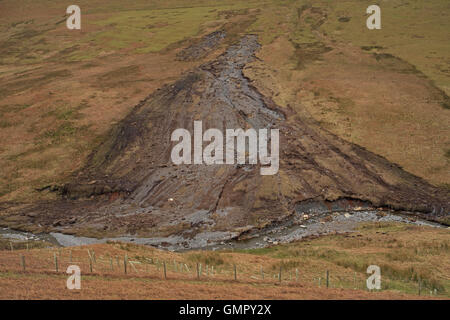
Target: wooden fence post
198, 272
420, 286
235, 272
22, 261
328, 278
56, 261
91, 264
279, 275
11, 246
125, 261
165, 272
296, 275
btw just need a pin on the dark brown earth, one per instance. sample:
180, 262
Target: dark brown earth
203, 47
128, 180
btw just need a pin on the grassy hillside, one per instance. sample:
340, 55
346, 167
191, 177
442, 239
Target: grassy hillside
386, 90
60, 90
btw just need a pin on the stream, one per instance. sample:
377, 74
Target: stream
285, 232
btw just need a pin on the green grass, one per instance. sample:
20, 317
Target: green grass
21, 245
149, 30
107, 26
410, 29
63, 111
207, 258
12, 108
6, 124
403, 263
26, 83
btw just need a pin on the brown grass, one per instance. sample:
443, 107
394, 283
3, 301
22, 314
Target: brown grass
70, 105
404, 253
384, 105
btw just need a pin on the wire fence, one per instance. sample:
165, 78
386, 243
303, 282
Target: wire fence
57, 260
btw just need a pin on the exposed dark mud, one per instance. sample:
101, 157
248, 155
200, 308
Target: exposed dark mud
202, 48
129, 185
296, 228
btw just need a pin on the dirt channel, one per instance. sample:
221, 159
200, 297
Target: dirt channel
129, 185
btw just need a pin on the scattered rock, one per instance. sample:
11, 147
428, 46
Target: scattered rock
57, 223
381, 214
72, 221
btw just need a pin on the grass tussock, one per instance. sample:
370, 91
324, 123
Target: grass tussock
423, 256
